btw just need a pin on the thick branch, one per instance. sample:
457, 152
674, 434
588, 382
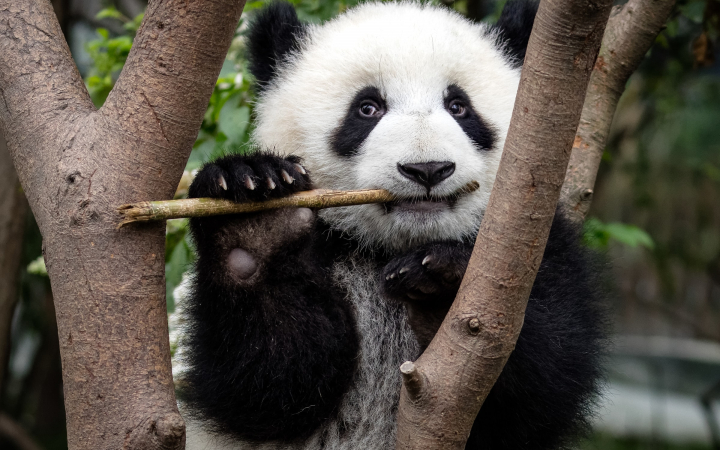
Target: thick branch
480, 330
631, 30
76, 165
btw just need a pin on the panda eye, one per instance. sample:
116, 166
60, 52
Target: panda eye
457, 108
369, 108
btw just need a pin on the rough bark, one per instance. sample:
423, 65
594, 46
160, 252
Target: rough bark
13, 209
445, 388
631, 30
76, 164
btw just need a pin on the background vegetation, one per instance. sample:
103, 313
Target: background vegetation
656, 210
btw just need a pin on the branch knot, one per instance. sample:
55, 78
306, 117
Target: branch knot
414, 380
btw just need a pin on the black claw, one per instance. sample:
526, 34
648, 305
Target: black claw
429, 273
255, 177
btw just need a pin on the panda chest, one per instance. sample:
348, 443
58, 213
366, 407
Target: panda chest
366, 418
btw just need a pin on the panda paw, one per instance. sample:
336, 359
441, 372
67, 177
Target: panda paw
255, 177
432, 272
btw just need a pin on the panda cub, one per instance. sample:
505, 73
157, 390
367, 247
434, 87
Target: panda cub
299, 319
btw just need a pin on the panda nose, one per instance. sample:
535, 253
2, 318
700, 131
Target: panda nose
428, 174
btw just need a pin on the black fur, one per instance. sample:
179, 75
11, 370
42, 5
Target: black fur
273, 34
514, 25
471, 122
543, 397
261, 169
355, 127
270, 355
427, 289
272, 346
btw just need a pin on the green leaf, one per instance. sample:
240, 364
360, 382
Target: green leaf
234, 121
693, 10
597, 234
134, 24
111, 13
629, 235
37, 266
180, 258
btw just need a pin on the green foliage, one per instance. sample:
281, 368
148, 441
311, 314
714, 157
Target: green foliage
37, 267
226, 124
598, 235
179, 255
109, 54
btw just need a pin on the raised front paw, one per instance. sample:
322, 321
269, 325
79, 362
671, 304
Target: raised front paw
432, 272
254, 177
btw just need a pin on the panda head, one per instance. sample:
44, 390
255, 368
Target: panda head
405, 96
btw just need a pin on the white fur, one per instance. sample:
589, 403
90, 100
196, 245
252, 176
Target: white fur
411, 53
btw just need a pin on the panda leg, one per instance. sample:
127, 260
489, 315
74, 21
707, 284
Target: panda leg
270, 344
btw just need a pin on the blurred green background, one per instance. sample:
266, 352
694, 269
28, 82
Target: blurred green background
656, 215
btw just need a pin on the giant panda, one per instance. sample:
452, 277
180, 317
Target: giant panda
298, 320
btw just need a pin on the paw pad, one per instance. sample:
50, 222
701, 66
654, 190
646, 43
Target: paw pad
241, 263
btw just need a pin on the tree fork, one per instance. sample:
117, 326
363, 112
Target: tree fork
76, 164
462, 362
631, 30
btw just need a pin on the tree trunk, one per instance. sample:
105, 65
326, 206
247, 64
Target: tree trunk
76, 164
631, 30
445, 388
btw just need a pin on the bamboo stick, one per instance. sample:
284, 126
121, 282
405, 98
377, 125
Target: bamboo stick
202, 207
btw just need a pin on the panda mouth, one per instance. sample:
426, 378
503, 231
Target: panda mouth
429, 204
422, 205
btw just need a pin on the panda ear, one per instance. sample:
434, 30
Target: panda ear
514, 27
273, 33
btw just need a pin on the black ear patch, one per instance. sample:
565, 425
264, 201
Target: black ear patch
515, 24
273, 34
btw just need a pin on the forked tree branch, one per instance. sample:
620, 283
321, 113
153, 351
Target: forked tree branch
631, 30
445, 388
76, 165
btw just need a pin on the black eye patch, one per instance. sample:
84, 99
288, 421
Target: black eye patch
356, 126
470, 121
